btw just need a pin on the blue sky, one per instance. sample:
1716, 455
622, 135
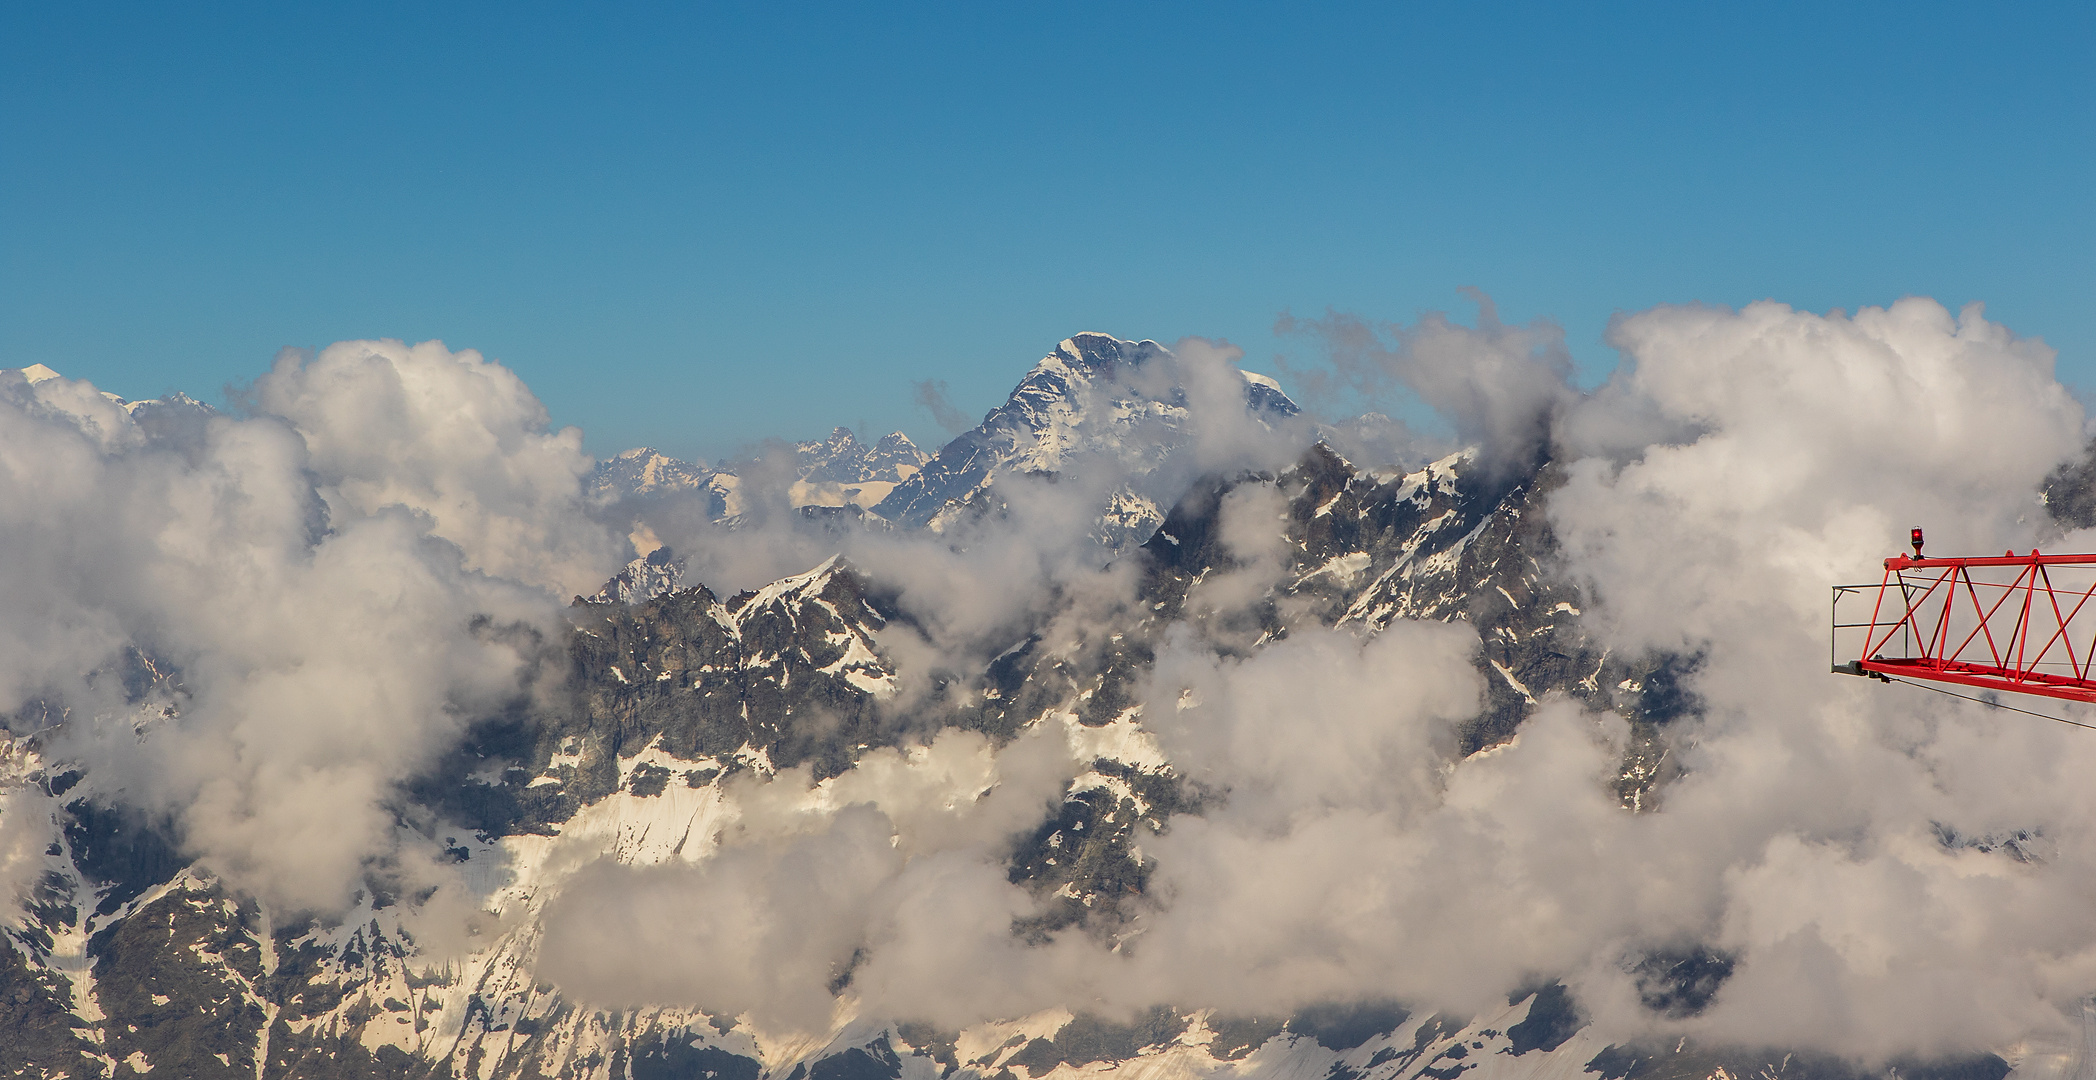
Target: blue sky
696, 226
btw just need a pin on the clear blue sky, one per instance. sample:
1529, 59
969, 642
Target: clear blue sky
696, 225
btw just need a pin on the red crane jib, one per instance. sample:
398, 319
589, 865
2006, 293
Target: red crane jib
2019, 623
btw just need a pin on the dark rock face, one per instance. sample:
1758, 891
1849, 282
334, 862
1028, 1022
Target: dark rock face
775, 678
1083, 863
1687, 1059
789, 671
1552, 1018
875, 1061
1347, 1024
39, 1027
2070, 492
665, 1057
120, 848
180, 983
1682, 983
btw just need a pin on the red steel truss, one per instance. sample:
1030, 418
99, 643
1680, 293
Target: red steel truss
2021, 623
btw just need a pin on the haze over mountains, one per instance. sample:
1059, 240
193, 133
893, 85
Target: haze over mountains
837, 471
1155, 723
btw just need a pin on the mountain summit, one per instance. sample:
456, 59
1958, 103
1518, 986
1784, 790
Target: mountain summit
1096, 396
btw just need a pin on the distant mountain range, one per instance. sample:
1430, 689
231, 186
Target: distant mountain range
838, 471
132, 959
1078, 408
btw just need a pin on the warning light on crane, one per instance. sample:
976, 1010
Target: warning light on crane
2019, 623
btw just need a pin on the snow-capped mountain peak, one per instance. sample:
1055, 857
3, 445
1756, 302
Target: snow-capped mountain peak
1092, 397
643, 579
156, 417
843, 459
646, 471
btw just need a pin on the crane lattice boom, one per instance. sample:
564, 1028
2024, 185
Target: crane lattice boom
2021, 623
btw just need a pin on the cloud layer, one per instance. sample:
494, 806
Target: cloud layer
376, 553
1736, 464
332, 586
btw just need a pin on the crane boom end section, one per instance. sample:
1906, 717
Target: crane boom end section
2021, 624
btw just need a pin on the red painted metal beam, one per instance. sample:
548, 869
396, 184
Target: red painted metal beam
1987, 678
1909, 562
2023, 624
